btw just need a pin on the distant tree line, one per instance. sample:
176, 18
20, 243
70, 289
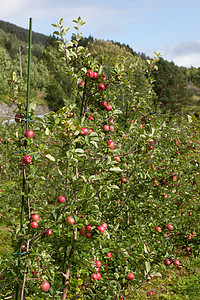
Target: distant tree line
48, 75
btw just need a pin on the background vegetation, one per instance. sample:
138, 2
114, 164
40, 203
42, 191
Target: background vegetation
175, 87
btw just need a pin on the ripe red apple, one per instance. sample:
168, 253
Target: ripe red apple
35, 217
34, 224
27, 159
23, 247
84, 131
101, 228
81, 84
88, 227
70, 220
106, 128
105, 225
49, 232
109, 254
150, 293
101, 87
103, 103
91, 118
83, 231
118, 159
167, 262
118, 77
124, 180
71, 114
111, 145
95, 75
18, 118
188, 249
94, 276
61, 199
88, 235
176, 262
29, 134
109, 107
98, 275
90, 73
109, 141
180, 267
130, 276
169, 226
98, 263
111, 127
45, 286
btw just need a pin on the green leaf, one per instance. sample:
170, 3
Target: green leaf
79, 151
47, 131
61, 21
147, 266
55, 25
50, 157
56, 32
116, 169
94, 144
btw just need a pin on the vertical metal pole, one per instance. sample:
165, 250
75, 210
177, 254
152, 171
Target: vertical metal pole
29, 70
24, 173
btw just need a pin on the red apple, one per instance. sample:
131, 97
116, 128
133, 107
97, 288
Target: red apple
88, 235
49, 232
90, 73
176, 262
111, 127
150, 293
103, 103
111, 145
18, 118
94, 276
83, 231
34, 224
109, 254
70, 220
118, 159
124, 180
98, 275
81, 84
95, 75
167, 262
109, 107
130, 276
169, 226
61, 199
188, 249
158, 229
118, 77
98, 264
45, 286
84, 131
35, 217
29, 134
106, 128
91, 118
27, 159
71, 114
101, 87
23, 247
88, 227
105, 225
101, 228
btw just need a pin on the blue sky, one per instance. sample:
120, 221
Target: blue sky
170, 27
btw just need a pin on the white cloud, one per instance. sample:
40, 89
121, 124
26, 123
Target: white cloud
184, 54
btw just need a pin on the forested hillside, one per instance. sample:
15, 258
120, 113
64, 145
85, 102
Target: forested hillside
174, 87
